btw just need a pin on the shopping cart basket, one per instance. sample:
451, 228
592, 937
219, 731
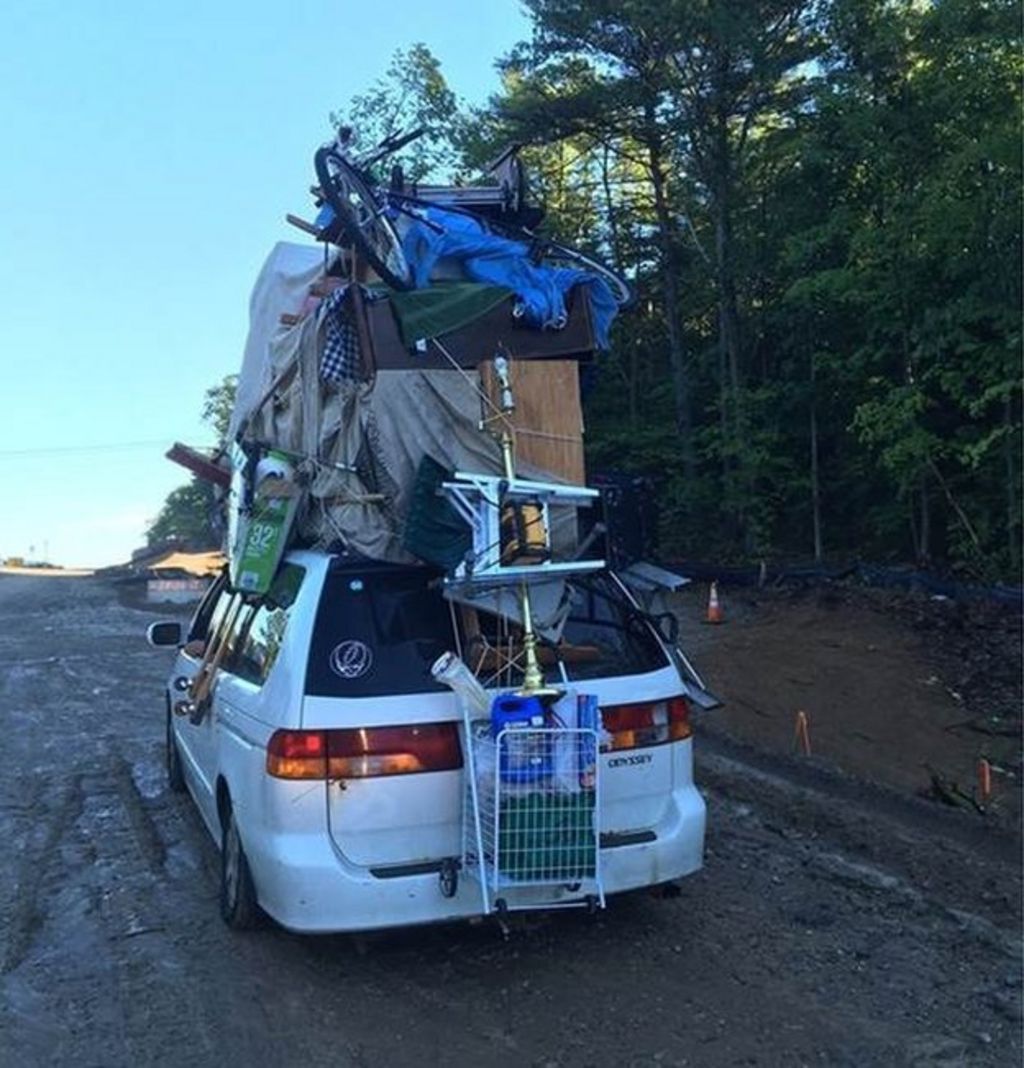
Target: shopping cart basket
532, 816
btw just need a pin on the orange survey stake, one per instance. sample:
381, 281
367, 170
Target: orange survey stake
801, 734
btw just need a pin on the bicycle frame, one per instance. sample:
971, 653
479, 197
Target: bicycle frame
497, 208
502, 197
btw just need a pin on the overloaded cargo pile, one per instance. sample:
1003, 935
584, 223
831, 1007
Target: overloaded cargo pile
429, 332
362, 383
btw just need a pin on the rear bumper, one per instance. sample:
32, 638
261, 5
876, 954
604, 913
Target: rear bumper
306, 885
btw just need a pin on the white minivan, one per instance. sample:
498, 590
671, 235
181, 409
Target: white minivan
329, 765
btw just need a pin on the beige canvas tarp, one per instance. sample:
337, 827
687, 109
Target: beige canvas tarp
281, 287
356, 445
360, 443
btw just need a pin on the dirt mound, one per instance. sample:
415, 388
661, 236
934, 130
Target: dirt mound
903, 690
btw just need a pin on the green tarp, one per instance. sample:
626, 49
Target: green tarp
442, 307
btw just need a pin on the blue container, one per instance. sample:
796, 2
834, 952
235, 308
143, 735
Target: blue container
509, 710
588, 717
527, 758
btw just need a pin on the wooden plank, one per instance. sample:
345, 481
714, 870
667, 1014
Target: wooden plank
548, 419
303, 225
367, 350
199, 464
324, 287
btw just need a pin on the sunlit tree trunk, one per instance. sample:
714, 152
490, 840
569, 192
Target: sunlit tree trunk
815, 482
668, 247
924, 548
1012, 506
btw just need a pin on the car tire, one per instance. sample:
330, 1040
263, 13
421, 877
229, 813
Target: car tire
175, 772
238, 907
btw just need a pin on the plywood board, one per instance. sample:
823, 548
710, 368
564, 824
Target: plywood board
548, 418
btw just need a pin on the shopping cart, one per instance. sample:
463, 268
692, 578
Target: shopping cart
531, 825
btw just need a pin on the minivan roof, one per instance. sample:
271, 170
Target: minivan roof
336, 560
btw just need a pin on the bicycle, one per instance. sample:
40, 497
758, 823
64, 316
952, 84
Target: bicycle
364, 211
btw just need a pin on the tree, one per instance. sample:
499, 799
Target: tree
189, 515
600, 73
818, 202
412, 94
194, 513
666, 99
917, 142
218, 404
741, 71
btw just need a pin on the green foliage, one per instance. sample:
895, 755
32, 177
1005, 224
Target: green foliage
831, 191
193, 512
188, 515
412, 94
218, 404
818, 202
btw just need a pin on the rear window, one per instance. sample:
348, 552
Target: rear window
603, 637
600, 619
379, 632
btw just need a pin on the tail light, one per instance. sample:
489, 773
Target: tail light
364, 752
650, 723
297, 755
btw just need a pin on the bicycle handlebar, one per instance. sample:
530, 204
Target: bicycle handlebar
392, 144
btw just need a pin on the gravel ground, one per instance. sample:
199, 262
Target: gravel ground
836, 922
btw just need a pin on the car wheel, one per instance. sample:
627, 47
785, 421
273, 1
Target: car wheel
175, 774
238, 906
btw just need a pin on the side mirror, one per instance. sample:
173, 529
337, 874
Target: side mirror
164, 634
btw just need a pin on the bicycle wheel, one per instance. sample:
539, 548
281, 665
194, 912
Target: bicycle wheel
363, 218
554, 255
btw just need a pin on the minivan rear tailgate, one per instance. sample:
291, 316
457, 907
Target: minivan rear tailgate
637, 784
636, 788
396, 820
409, 819
391, 820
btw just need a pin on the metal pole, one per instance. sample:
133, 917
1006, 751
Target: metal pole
533, 677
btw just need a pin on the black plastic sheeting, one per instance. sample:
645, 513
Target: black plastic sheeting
897, 578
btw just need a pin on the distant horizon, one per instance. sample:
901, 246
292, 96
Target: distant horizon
165, 545
54, 571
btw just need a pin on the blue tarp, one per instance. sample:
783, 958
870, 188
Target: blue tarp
540, 290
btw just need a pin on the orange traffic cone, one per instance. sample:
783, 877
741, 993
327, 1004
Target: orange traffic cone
715, 614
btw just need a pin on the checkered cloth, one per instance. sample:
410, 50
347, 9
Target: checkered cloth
341, 358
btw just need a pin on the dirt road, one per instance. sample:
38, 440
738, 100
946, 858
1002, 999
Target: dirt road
834, 923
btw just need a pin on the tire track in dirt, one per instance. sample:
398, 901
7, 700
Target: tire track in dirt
144, 830
132, 987
108, 966
152, 913
26, 914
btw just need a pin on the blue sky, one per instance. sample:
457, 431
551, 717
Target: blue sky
151, 150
